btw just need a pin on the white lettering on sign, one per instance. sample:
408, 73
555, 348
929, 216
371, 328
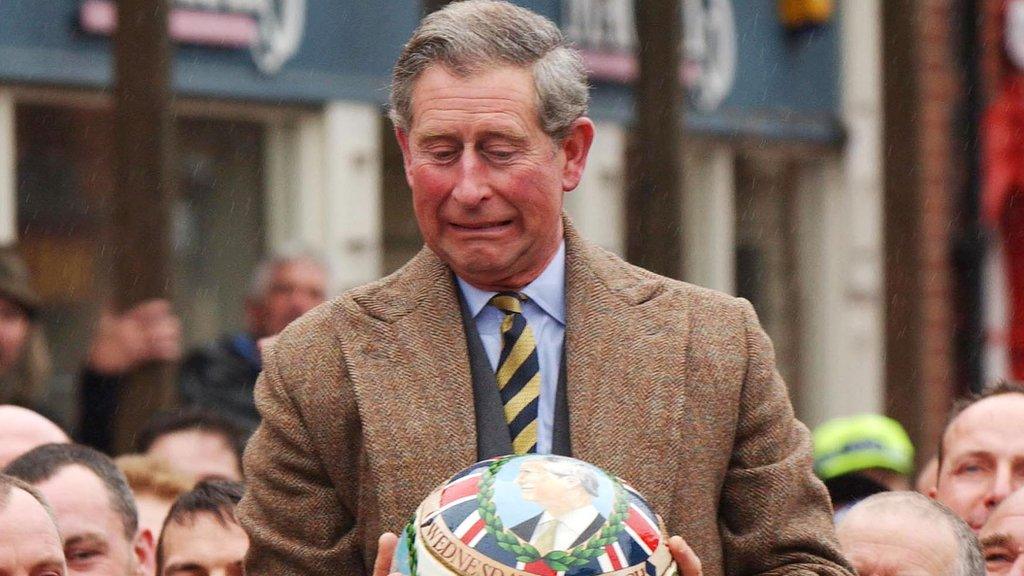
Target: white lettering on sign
281, 26
605, 33
271, 29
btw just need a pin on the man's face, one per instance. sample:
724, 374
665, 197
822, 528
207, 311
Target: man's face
295, 288
1002, 538
983, 457
204, 547
487, 182
198, 454
540, 486
886, 544
14, 329
29, 542
95, 542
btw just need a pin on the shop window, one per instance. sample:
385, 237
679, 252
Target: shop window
65, 183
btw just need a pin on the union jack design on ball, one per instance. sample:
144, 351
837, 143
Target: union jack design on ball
491, 518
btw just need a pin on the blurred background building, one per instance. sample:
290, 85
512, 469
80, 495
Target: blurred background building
829, 157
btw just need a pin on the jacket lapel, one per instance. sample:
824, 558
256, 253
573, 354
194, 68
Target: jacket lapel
415, 394
621, 397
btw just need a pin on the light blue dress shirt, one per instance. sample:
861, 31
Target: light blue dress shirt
545, 314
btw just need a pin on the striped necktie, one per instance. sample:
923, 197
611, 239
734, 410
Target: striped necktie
518, 374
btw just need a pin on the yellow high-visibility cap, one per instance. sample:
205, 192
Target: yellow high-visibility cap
846, 445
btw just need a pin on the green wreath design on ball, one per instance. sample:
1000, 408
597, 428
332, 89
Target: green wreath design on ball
410, 542
557, 560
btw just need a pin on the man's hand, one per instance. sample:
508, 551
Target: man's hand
686, 559
149, 332
385, 552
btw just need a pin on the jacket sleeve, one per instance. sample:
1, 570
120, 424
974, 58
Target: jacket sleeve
775, 516
298, 523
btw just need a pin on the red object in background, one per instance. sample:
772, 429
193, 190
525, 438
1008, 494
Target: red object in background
1012, 233
1003, 202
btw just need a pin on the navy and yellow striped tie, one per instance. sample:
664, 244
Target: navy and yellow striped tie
518, 373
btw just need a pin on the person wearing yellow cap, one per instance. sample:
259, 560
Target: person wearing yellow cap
858, 456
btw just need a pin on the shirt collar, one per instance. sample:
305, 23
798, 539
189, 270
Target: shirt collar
577, 520
546, 290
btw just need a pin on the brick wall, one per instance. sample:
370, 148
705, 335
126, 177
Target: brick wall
922, 178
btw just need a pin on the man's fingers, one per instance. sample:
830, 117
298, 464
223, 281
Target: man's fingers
385, 551
686, 559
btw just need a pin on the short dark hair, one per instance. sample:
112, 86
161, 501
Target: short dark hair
44, 462
997, 388
216, 497
191, 419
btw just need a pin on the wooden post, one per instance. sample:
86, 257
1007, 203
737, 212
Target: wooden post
654, 200
145, 188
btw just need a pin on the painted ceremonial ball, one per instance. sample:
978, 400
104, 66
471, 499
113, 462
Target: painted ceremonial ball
534, 515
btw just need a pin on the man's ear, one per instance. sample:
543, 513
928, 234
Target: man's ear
576, 147
403, 142
144, 548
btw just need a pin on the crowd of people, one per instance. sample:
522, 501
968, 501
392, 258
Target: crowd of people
509, 333
67, 506
169, 509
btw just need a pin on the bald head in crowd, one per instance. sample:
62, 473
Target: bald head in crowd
1002, 538
30, 544
22, 430
897, 533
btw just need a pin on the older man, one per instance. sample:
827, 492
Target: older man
29, 540
220, 376
510, 333
981, 453
898, 533
1002, 538
94, 509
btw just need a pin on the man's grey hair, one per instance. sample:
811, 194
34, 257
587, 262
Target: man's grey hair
578, 471
969, 561
475, 35
263, 274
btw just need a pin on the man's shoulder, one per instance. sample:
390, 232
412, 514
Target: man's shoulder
360, 309
641, 286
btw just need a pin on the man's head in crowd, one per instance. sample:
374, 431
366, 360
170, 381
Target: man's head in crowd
24, 356
284, 287
155, 486
30, 543
201, 534
857, 456
196, 443
981, 454
492, 135
22, 430
1002, 538
898, 533
94, 508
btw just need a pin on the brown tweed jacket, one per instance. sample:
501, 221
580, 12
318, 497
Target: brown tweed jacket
367, 406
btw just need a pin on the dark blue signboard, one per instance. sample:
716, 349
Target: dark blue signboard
745, 74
